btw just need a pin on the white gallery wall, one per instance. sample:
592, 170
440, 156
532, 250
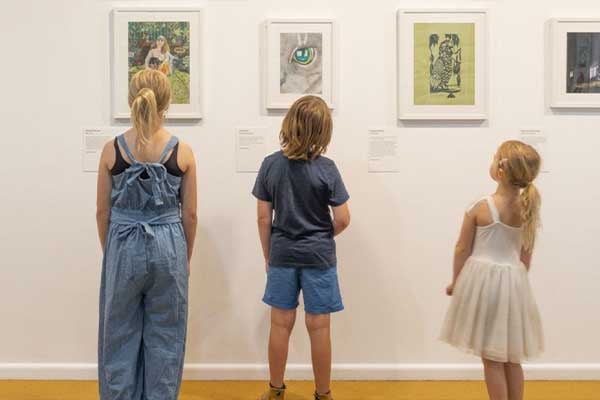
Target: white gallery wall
395, 259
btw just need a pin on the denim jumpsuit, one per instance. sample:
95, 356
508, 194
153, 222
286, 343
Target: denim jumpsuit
144, 289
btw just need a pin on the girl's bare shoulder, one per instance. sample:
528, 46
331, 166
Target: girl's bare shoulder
185, 156
480, 212
108, 156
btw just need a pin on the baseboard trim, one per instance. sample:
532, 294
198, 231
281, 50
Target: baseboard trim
80, 371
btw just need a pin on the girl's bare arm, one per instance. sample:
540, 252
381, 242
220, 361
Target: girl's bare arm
463, 247
189, 197
104, 187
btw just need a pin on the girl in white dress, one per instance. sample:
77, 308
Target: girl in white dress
493, 313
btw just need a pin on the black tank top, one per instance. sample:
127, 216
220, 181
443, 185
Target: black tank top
121, 165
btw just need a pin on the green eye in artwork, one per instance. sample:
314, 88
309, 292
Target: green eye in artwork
304, 55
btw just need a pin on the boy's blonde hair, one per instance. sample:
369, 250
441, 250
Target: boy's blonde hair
306, 129
521, 165
149, 99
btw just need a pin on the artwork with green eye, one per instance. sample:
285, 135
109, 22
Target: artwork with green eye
301, 68
305, 55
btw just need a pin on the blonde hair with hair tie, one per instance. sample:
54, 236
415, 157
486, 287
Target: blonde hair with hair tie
306, 129
521, 164
149, 99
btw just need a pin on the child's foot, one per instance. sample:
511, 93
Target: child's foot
326, 396
274, 393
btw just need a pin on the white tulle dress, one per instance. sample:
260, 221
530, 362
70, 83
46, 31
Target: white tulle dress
493, 313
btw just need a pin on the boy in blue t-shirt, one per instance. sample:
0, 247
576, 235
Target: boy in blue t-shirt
299, 186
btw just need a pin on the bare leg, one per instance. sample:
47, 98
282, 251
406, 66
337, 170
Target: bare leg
514, 378
495, 379
318, 326
282, 323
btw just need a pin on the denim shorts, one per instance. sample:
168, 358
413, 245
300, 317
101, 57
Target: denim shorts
320, 289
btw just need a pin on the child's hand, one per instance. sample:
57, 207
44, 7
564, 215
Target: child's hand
450, 289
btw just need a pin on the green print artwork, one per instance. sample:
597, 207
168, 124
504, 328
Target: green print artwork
444, 66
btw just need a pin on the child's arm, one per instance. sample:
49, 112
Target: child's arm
104, 187
526, 258
189, 197
341, 218
463, 248
264, 211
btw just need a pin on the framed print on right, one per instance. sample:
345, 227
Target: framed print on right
442, 64
575, 63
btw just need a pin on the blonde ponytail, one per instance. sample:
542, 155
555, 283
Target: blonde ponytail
530, 214
521, 164
144, 115
149, 99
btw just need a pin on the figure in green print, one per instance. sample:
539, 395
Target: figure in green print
444, 64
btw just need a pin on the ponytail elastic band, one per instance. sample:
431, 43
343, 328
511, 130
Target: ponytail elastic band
522, 185
139, 93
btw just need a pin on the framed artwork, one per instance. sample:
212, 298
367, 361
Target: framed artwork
164, 39
299, 59
575, 63
442, 64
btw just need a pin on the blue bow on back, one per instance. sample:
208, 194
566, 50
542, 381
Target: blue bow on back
157, 172
135, 227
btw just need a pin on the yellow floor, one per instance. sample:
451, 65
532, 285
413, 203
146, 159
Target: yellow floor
198, 390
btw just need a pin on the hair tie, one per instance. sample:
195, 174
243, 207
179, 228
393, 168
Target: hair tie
144, 89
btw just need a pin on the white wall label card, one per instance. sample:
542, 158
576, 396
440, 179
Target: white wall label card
383, 151
251, 148
539, 141
94, 140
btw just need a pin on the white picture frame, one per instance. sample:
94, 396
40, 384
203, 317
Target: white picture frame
279, 91
565, 75
184, 70
472, 107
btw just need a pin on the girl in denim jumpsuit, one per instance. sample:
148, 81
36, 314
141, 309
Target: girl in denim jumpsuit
146, 223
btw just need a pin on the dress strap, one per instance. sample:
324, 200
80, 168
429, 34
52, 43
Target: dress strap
168, 147
123, 143
493, 210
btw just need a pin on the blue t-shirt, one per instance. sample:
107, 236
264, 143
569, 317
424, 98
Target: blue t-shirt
301, 193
